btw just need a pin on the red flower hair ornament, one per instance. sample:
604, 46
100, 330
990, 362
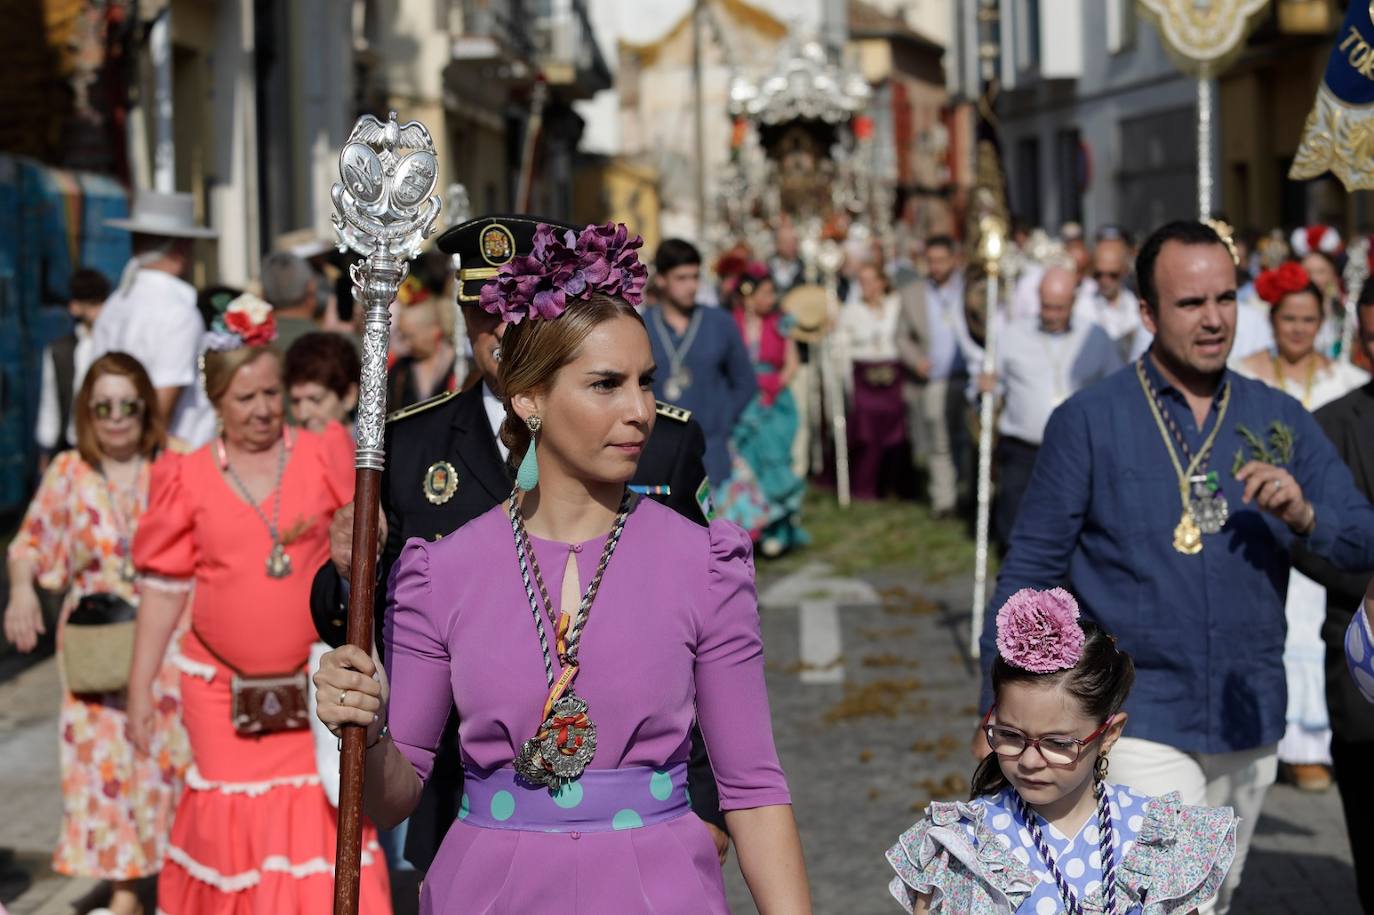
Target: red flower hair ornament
565, 267
1286, 279
245, 321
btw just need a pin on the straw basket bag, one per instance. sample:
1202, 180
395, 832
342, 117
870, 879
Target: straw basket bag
98, 644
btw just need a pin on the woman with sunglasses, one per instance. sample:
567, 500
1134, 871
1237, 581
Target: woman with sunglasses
76, 536
1044, 831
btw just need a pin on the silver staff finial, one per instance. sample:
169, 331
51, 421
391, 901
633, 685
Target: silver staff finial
384, 209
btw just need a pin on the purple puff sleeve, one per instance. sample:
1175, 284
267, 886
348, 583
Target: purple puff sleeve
417, 660
732, 699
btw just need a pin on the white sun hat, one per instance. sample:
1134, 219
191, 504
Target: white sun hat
170, 215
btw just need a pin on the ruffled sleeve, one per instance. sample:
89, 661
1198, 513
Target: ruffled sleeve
164, 544
1180, 857
954, 857
732, 700
417, 660
44, 538
336, 451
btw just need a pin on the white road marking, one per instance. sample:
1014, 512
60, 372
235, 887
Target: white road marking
818, 595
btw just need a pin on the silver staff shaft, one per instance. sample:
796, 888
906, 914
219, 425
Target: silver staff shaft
991, 254
1355, 276
832, 384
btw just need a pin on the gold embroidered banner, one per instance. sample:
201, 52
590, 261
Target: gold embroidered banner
1203, 35
1339, 134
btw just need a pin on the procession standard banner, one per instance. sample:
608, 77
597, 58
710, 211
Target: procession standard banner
1339, 134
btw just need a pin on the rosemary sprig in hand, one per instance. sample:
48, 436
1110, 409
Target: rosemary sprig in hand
1276, 449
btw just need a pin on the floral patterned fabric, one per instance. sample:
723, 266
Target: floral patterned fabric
976, 858
117, 803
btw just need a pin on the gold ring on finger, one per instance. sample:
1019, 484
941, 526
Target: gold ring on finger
343, 697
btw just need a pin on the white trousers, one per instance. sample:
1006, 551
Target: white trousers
1236, 780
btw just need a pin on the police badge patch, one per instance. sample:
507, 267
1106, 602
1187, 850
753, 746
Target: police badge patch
497, 244
441, 482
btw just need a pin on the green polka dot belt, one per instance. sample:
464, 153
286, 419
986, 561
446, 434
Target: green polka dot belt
601, 800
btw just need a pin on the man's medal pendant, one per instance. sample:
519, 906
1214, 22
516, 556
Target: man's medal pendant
1187, 536
677, 385
565, 744
1207, 504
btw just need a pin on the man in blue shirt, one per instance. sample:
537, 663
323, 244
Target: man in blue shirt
1166, 497
703, 365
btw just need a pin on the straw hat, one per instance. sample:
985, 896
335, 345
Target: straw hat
808, 306
168, 215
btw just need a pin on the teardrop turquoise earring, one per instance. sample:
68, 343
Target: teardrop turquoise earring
527, 477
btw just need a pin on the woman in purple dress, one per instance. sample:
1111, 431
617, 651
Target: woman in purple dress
578, 629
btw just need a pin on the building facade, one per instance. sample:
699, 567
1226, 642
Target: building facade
1097, 125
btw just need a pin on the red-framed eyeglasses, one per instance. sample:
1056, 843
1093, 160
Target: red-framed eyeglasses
1058, 751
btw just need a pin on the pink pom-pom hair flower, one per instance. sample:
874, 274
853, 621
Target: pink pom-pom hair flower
566, 266
1038, 631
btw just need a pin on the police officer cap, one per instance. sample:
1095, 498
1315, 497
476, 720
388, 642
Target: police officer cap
485, 244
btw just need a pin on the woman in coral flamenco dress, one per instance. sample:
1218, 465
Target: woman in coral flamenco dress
236, 527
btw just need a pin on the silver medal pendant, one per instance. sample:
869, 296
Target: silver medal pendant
569, 741
677, 384
529, 764
278, 562
1209, 508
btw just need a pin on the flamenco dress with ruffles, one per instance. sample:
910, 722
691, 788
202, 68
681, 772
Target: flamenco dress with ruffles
673, 633
763, 438
978, 857
254, 833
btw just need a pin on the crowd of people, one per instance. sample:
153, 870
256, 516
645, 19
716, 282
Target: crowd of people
195, 511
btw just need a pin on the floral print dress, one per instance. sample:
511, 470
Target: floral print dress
117, 803
978, 858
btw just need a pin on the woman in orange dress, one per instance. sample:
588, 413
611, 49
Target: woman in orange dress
245, 520
116, 804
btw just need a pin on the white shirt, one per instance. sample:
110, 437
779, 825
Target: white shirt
1254, 332
1037, 371
48, 429
1120, 319
869, 335
157, 323
496, 415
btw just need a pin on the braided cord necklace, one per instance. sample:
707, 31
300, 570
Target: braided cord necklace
566, 741
1188, 533
1106, 846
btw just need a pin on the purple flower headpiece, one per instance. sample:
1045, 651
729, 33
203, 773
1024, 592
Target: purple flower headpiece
565, 266
1038, 631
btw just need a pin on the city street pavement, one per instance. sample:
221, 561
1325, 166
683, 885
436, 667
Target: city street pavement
873, 708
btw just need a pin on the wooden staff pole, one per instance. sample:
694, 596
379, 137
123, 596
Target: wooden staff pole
384, 208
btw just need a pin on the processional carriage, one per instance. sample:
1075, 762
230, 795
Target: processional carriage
801, 152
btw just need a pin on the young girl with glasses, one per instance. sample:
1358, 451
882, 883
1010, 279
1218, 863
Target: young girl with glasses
1044, 831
